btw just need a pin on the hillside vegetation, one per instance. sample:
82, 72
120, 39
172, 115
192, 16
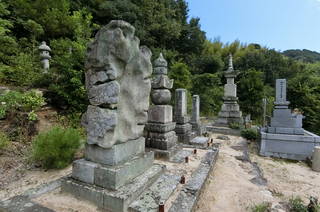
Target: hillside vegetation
195, 62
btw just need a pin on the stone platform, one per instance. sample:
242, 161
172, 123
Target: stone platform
294, 147
144, 193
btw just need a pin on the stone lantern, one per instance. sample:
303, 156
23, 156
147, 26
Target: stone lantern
45, 55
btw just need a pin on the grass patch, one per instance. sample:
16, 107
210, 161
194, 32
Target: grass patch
4, 141
262, 207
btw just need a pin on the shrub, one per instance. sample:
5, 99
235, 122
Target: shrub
249, 134
235, 125
263, 207
56, 148
296, 205
14, 101
4, 140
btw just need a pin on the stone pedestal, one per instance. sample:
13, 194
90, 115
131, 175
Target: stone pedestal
230, 110
160, 134
183, 127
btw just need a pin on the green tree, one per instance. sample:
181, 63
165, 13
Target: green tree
208, 87
251, 93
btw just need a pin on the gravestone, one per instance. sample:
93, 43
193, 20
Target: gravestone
161, 136
118, 83
195, 118
285, 137
183, 127
283, 121
230, 110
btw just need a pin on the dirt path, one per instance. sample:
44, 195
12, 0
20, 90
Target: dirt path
239, 182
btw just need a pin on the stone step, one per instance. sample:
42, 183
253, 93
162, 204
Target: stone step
158, 192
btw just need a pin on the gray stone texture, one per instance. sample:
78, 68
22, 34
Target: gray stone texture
183, 127
160, 114
118, 81
230, 110
181, 103
114, 200
160, 135
316, 159
195, 118
285, 137
45, 50
294, 147
118, 85
189, 195
115, 155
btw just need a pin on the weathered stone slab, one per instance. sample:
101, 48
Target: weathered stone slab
113, 177
159, 191
181, 103
22, 203
183, 129
200, 141
83, 170
182, 120
116, 154
189, 195
160, 114
161, 128
295, 147
118, 200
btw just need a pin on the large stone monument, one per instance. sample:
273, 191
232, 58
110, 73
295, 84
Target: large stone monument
230, 110
161, 136
183, 127
118, 83
195, 118
285, 137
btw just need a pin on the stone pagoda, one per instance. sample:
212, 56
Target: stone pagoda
285, 137
116, 169
230, 110
161, 136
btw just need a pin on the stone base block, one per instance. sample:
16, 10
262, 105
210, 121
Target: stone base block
115, 155
160, 128
222, 121
294, 147
184, 138
183, 129
284, 130
160, 114
200, 141
111, 177
196, 127
118, 200
182, 119
162, 141
165, 154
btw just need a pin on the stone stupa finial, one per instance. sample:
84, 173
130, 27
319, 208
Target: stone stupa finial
230, 61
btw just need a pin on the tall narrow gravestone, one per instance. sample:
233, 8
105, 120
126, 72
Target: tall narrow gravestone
285, 137
195, 118
230, 110
161, 136
183, 127
116, 168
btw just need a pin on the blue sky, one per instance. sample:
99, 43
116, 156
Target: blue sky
277, 24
